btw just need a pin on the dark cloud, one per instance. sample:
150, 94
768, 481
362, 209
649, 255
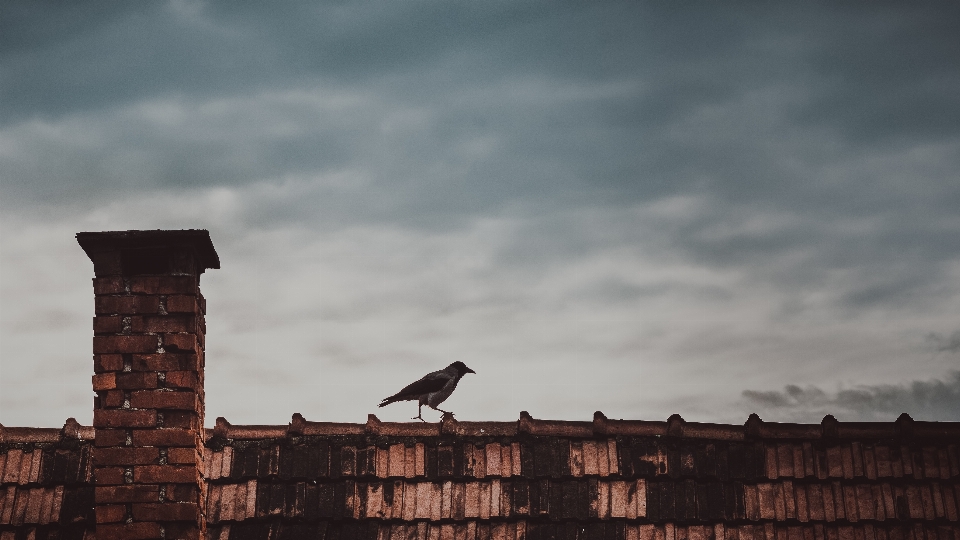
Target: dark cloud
937, 400
903, 94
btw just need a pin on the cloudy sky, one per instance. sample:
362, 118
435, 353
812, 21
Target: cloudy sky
643, 208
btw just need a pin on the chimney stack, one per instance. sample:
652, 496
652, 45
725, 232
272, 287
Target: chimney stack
148, 362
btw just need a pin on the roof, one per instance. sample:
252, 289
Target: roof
45, 482
622, 480
536, 479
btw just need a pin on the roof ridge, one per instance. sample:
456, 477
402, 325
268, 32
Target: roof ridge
675, 426
71, 430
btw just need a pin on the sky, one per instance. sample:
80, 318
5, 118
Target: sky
642, 208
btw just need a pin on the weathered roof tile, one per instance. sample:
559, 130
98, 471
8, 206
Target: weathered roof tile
35, 466
226, 462
789, 500
11, 472
846, 461
7, 500
228, 501
605, 462
591, 465
491, 459
850, 503
20, 507
419, 460
484, 500
46, 505
395, 461
34, 503
215, 465
783, 460
857, 460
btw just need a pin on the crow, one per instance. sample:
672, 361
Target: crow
432, 389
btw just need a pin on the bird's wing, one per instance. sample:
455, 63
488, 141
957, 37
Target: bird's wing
431, 382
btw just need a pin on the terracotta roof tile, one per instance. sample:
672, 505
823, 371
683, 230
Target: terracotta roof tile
11, 471
396, 460
8, 498
26, 465
213, 502
910, 462
213, 464
882, 456
846, 461
19, 507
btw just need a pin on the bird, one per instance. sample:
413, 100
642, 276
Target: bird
432, 389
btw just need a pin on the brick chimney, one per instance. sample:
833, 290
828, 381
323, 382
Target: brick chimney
148, 362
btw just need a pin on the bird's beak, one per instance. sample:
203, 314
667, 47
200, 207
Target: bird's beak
471, 371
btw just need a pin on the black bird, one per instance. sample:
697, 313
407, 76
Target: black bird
432, 389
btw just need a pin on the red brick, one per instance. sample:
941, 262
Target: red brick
111, 513
163, 284
182, 379
183, 492
164, 474
124, 494
111, 398
104, 381
182, 456
137, 380
126, 305
107, 324
129, 531
105, 476
110, 437
107, 362
123, 418
165, 512
124, 344
182, 304
158, 399
181, 419
163, 323
164, 437
126, 455
180, 342
108, 285
166, 362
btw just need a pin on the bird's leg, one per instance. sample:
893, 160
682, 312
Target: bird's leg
419, 413
443, 411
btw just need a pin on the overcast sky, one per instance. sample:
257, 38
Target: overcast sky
643, 208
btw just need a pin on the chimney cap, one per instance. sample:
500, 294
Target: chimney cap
196, 239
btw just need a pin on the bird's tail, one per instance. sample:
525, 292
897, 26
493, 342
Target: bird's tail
387, 401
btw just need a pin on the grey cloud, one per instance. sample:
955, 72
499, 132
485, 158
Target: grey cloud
937, 399
204, 48
944, 343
